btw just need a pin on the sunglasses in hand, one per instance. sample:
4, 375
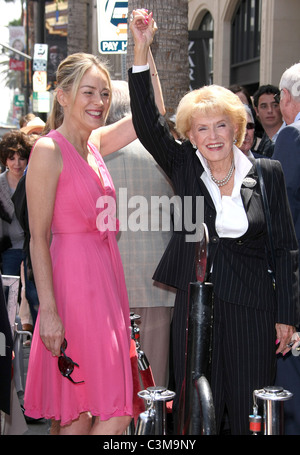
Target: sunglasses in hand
66, 364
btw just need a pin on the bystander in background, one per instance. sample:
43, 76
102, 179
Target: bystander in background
268, 112
135, 171
287, 151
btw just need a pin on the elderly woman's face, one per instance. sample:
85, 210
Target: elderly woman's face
249, 136
213, 135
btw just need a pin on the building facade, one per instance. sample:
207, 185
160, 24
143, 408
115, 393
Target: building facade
245, 42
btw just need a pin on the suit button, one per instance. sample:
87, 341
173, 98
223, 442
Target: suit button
214, 239
239, 242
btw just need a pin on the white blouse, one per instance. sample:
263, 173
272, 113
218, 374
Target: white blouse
231, 219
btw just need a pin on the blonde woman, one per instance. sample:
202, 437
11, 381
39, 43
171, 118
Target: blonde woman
79, 364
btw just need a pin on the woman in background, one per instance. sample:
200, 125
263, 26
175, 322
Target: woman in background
15, 148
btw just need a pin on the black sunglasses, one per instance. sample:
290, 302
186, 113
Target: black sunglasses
277, 96
250, 126
66, 364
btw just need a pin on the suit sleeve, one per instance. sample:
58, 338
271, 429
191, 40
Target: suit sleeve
287, 149
150, 126
286, 247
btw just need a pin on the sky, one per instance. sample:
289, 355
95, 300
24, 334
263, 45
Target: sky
8, 12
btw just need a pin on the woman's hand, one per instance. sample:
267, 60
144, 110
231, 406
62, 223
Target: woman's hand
143, 28
284, 336
51, 331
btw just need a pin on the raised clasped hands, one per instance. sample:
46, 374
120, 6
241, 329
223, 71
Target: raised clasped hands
142, 26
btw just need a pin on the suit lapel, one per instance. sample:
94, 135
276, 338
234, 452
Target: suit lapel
198, 168
248, 186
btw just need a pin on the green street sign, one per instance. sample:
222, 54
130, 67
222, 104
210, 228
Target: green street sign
19, 100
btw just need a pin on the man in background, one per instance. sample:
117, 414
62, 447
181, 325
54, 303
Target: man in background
287, 151
268, 113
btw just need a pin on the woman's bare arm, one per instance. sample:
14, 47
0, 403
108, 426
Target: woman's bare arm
113, 137
44, 168
159, 99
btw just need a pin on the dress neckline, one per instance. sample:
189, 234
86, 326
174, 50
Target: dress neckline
103, 181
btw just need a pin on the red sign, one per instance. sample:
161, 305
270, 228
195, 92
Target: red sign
16, 65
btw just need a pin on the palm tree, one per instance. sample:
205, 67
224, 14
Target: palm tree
77, 26
10, 78
170, 47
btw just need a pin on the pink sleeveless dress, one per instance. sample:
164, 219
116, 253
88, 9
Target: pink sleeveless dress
91, 298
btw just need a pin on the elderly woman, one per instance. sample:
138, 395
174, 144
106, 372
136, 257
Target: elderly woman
249, 317
15, 148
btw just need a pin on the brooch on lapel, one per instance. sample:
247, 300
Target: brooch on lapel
249, 182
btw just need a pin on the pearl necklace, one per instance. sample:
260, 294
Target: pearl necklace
226, 179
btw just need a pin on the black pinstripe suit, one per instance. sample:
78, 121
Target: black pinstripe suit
246, 307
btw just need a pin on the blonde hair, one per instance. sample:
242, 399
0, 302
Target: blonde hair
208, 100
68, 76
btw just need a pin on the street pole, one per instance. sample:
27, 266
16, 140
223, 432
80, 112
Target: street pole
27, 63
40, 31
41, 36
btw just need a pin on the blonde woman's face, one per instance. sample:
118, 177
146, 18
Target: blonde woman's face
92, 100
213, 135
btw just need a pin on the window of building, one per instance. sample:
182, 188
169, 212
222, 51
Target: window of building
245, 43
201, 53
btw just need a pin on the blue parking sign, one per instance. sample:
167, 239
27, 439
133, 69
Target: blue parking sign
112, 26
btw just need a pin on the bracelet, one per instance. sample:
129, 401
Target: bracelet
155, 74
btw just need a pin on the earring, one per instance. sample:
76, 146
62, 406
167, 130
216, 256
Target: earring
234, 141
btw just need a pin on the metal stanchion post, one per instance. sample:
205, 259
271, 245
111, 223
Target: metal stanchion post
153, 420
273, 398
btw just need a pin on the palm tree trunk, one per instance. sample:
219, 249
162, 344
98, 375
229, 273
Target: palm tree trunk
77, 40
170, 47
